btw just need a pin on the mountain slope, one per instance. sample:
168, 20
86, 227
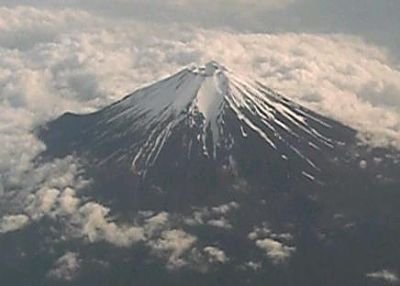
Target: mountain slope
214, 112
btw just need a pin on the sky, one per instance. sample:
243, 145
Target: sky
340, 58
375, 21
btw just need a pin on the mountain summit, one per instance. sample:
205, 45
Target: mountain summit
205, 112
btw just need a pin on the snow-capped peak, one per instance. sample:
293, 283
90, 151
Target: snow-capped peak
201, 96
208, 69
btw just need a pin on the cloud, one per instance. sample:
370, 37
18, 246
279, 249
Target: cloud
42, 202
273, 244
34, 188
33, 192
173, 244
19, 146
57, 192
225, 208
275, 250
363, 164
83, 218
217, 9
68, 201
37, 26
228, 13
384, 275
215, 255
259, 231
156, 223
66, 267
220, 222
376, 22
13, 222
96, 227
213, 216
254, 266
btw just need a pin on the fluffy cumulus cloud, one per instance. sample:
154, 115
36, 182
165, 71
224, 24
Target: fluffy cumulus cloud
66, 267
252, 265
384, 275
275, 250
213, 216
56, 198
173, 244
215, 255
275, 245
13, 223
45, 190
96, 226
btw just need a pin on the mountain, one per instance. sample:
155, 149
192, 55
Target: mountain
202, 125
208, 137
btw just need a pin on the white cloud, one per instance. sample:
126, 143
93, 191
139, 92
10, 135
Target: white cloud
259, 231
173, 244
272, 243
13, 222
363, 164
225, 208
275, 250
66, 267
156, 223
82, 218
255, 266
42, 202
282, 236
220, 222
40, 191
215, 254
214, 216
18, 147
51, 190
384, 275
68, 201
226, 13
96, 226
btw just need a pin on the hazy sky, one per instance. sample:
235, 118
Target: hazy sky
375, 21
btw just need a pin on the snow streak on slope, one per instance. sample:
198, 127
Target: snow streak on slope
201, 96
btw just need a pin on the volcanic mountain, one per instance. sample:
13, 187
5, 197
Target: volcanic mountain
221, 181
200, 131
